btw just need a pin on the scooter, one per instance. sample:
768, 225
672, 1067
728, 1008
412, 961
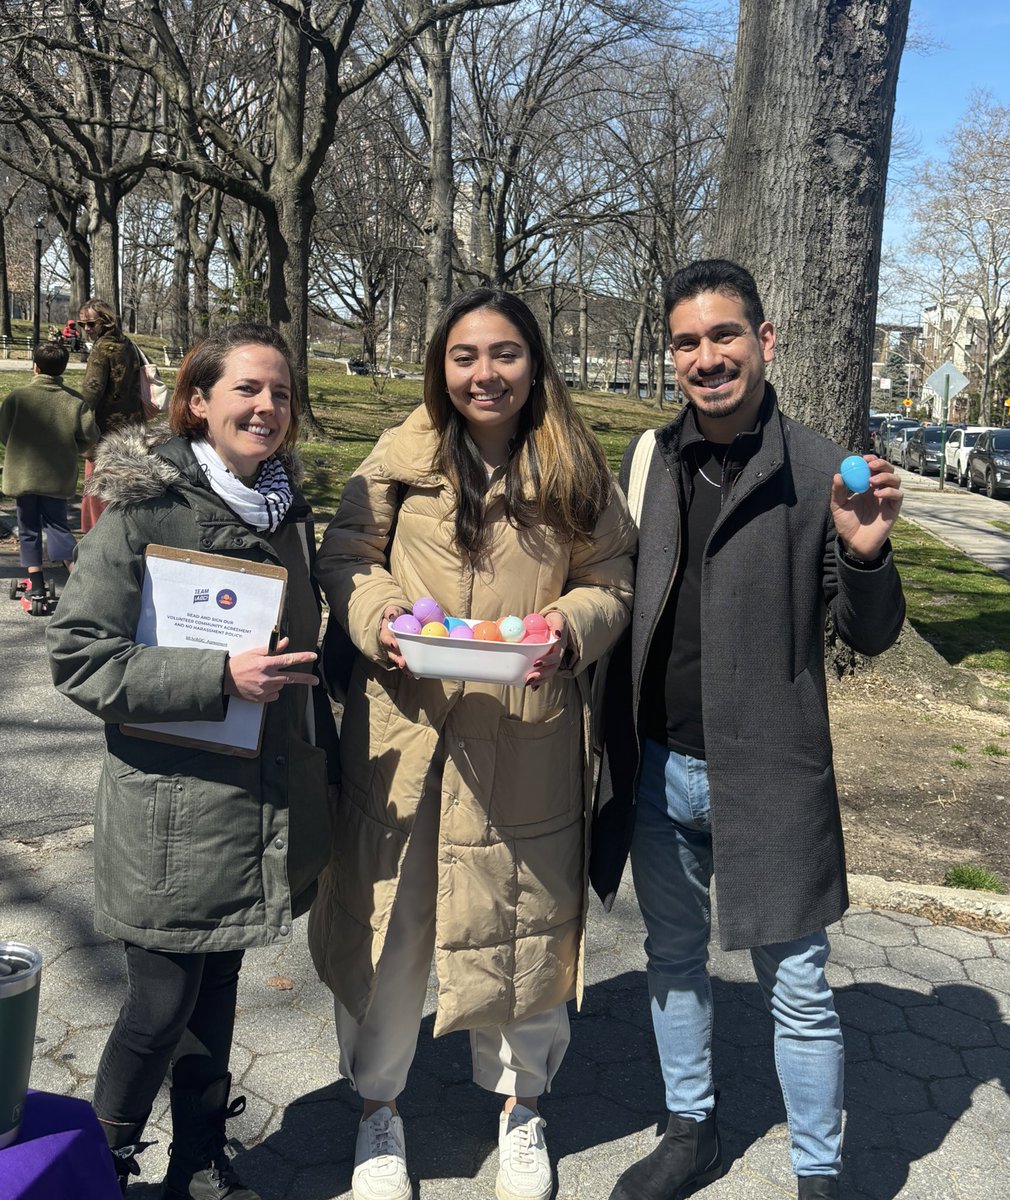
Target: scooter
37, 604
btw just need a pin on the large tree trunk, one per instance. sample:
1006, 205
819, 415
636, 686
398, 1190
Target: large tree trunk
435, 46
288, 289
177, 317
635, 371
801, 197
103, 233
5, 295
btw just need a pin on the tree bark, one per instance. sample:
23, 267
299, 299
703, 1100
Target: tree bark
177, 317
435, 49
5, 295
801, 197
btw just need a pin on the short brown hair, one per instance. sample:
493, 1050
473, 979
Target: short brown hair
51, 358
204, 365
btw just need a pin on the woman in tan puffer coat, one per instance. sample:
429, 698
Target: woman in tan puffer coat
462, 827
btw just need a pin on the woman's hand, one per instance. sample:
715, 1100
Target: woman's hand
387, 638
548, 663
259, 676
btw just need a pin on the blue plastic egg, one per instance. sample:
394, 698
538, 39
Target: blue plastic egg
855, 473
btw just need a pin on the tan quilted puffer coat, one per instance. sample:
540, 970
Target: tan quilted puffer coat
517, 782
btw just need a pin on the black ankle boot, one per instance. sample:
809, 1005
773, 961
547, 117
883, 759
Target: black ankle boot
817, 1187
124, 1145
198, 1165
688, 1156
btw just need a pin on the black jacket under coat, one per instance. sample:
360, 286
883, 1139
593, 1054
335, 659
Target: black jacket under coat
771, 573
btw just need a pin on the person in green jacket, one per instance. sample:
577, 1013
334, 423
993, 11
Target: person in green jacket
45, 427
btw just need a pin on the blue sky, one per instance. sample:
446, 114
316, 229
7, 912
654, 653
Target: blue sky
968, 47
973, 51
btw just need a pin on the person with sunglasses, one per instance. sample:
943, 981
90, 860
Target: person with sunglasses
111, 386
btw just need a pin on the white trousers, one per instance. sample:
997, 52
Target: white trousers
517, 1059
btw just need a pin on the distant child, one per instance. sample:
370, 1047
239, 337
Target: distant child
45, 427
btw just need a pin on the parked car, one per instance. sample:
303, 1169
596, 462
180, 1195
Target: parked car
899, 440
956, 450
882, 442
925, 446
874, 423
989, 462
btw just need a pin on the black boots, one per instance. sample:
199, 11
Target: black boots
687, 1157
124, 1145
199, 1167
817, 1187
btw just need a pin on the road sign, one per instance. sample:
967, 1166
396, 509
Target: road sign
937, 381
907, 402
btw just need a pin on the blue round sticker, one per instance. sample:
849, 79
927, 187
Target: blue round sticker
226, 598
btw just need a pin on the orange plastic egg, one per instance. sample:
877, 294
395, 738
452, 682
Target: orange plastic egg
487, 631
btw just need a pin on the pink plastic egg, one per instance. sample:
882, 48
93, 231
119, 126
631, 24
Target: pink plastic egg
537, 629
461, 632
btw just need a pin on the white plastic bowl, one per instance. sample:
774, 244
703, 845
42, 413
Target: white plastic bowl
471, 661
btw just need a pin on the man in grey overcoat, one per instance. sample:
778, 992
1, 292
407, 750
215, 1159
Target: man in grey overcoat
714, 720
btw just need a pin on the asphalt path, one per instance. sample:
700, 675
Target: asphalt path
51, 749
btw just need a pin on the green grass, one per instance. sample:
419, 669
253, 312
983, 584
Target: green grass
958, 605
1004, 525
995, 751
962, 764
978, 879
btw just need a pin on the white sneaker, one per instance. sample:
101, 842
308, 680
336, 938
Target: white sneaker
524, 1170
380, 1159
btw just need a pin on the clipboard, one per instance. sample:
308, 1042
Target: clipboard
195, 600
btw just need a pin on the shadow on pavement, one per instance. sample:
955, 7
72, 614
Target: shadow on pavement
916, 1063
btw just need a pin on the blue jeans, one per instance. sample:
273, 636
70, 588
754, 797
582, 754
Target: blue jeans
671, 857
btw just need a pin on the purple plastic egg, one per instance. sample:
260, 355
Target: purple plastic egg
462, 632
427, 610
405, 623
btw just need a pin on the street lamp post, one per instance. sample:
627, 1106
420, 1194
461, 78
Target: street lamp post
40, 226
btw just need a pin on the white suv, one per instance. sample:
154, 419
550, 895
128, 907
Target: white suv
955, 452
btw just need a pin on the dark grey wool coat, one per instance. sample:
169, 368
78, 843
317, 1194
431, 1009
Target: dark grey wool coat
771, 571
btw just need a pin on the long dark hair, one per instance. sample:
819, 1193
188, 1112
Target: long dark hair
556, 474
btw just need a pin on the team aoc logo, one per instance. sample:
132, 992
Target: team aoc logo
226, 598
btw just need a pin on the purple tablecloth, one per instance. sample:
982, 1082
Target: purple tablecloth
60, 1153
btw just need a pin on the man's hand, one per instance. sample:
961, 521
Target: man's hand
259, 676
864, 519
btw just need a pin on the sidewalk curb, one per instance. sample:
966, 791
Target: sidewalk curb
942, 905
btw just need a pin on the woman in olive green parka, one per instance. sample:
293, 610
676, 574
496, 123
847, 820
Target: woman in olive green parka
198, 855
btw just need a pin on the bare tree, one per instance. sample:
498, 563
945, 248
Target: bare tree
83, 131
959, 252
801, 193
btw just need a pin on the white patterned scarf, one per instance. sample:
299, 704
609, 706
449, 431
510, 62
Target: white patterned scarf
264, 505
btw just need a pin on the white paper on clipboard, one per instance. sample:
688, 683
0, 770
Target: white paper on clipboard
209, 601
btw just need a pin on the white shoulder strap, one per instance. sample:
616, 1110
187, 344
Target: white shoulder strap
639, 472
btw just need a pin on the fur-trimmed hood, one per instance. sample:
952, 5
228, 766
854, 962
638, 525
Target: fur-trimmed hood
139, 464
